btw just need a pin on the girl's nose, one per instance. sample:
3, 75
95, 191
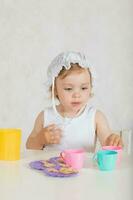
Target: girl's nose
76, 94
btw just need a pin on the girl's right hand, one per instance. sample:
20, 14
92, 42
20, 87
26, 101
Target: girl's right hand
52, 134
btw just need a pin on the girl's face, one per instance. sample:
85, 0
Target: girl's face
73, 91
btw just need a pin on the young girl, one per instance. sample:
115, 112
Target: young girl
73, 122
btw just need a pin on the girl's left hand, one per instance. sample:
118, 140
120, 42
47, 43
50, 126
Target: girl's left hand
114, 140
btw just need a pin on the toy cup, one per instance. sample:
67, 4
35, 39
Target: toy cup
74, 158
106, 159
118, 149
10, 140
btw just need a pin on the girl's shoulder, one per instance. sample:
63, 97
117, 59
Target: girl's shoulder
99, 115
38, 124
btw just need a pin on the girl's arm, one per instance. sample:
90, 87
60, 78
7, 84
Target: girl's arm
40, 136
36, 138
104, 133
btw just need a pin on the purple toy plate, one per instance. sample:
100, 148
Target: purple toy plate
54, 167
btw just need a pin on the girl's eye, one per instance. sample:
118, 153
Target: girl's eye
84, 88
68, 89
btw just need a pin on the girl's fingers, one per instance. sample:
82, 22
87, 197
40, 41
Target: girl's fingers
52, 138
58, 132
114, 140
54, 130
51, 127
54, 141
111, 139
53, 135
55, 138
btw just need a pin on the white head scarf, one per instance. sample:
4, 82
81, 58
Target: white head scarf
64, 60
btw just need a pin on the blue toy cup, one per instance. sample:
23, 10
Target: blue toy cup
106, 159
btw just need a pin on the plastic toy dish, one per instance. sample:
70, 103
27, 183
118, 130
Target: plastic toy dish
54, 167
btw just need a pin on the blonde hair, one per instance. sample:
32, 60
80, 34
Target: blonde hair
74, 67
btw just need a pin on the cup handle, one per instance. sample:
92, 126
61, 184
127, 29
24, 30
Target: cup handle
94, 158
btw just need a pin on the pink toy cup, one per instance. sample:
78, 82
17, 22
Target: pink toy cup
118, 149
73, 157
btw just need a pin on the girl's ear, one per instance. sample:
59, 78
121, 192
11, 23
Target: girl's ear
91, 94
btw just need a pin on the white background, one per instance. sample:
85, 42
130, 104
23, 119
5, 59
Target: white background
33, 32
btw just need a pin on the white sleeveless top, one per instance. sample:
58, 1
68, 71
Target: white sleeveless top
77, 132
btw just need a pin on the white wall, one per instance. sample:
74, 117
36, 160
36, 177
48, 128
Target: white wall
33, 32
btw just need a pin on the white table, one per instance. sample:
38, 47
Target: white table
19, 182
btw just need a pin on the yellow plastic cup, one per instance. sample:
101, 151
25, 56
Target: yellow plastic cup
10, 141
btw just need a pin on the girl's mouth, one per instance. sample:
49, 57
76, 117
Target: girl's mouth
76, 103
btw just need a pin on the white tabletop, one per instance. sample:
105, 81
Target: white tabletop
19, 182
